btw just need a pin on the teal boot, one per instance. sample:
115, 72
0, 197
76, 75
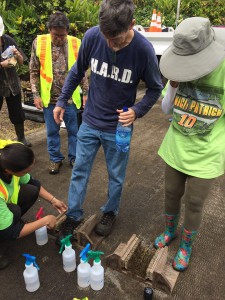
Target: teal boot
182, 257
170, 232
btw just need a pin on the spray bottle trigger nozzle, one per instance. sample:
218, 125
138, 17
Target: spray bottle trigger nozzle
84, 252
31, 260
40, 213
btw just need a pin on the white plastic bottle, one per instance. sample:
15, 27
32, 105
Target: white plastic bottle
68, 255
97, 275
41, 235
30, 274
83, 274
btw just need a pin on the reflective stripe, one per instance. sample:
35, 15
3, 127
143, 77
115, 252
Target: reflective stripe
4, 192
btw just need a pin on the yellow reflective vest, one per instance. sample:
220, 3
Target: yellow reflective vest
44, 53
3, 190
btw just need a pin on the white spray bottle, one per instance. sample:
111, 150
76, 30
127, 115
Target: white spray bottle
30, 273
68, 255
97, 271
84, 269
41, 233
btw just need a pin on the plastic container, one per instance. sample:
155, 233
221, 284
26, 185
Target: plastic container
83, 274
123, 136
68, 255
41, 234
97, 276
84, 269
30, 273
97, 271
8, 53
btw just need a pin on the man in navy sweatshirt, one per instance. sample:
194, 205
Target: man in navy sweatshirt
119, 57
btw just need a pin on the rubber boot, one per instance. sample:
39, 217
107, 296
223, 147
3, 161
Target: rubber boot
170, 232
182, 257
19, 128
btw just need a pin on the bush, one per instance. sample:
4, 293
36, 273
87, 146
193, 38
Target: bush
24, 20
212, 9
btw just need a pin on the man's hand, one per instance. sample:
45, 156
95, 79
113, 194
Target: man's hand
84, 100
18, 56
127, 117
38, 103
58, 113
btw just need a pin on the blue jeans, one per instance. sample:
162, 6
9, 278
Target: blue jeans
89, 141
53, 136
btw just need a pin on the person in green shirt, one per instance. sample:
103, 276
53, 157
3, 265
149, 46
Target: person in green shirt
194, 146
18, 192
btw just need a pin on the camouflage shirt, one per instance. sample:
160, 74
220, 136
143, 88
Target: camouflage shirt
59, 68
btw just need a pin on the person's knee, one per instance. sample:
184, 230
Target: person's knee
35, 193
194, 205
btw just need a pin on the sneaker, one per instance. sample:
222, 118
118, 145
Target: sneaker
54, 167
3, 262
104, 227
67, 228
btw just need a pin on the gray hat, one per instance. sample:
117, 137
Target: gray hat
1, 26
197, 50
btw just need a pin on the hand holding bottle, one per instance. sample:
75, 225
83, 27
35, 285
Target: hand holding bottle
126, 117
50, 221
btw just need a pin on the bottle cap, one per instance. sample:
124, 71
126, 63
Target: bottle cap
31, 260
40, 213
65, 242
84, 252
148, 293
95, 255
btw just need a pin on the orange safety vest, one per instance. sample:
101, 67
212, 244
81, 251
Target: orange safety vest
44, 53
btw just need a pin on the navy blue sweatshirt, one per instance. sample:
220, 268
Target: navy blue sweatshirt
114, 79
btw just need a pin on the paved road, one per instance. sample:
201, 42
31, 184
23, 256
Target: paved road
141, 213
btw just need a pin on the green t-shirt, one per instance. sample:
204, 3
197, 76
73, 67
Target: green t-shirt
6, 216
195, 141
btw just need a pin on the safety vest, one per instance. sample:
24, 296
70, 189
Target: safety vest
3, 190
44, 53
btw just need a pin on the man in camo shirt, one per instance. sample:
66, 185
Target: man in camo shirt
52, 56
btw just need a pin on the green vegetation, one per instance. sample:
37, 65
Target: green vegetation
212, 9
25, 19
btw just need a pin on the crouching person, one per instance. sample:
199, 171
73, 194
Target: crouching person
18, 192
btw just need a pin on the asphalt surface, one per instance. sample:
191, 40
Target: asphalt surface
141, 213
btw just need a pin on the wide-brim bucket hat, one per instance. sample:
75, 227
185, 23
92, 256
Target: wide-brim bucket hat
1, 26
197, 49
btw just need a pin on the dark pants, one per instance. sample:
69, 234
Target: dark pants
194, 192
27, 196
16, 113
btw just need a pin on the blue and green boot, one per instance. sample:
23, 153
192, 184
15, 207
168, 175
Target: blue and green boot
170, 232
182, 257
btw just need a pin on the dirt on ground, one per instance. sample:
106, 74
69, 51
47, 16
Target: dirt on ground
7, 129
